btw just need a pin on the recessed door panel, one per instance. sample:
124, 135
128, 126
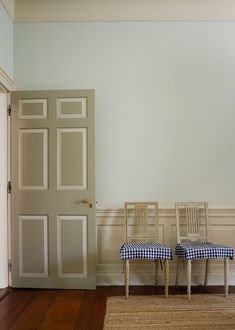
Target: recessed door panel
33, 109
33, 159
72, 107
33, 246
72, 158
72, 246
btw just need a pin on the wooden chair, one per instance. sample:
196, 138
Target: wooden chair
141, 224
193, 240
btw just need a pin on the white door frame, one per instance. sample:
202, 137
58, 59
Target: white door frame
6, 86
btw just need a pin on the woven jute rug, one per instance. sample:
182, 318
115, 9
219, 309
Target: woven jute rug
202, 311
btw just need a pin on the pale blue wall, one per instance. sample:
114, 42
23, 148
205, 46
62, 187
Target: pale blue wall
6, 42
165, 102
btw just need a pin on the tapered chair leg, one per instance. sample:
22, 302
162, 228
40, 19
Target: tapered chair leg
177, 271
156, 261
166, 276
127, 278
226, 270
207, 272
189, 269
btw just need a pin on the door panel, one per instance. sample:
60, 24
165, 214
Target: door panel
32, 108
72, 158
53, 189
33, 248
33, 159
72, 107
72, 246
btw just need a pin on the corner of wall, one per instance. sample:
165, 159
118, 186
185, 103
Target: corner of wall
9, 5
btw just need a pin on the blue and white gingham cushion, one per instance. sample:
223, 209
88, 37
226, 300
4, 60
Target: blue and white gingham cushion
143, 250
203, 251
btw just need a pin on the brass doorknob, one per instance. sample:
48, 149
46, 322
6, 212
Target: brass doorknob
86, 201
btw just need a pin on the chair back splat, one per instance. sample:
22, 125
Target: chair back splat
141, 219
193, 219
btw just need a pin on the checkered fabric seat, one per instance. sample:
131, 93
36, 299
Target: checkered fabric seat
145, 250
192, 229
203, 251
142, 241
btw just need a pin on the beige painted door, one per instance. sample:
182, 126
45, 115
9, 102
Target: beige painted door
53, 189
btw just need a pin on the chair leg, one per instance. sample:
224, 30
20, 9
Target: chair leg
226, 270
156, 271
127, 278
189, 268
177, 271
166, 276
207, 272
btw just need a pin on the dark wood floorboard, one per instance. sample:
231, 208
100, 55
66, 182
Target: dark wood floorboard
29, 309
13, 305
4, 292
35, 311
63, 310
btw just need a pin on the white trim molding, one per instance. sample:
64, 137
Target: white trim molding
10, 8
6, 83
111, 234
3, 195
124, 10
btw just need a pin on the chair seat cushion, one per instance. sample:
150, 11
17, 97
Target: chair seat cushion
143, 250
203, 251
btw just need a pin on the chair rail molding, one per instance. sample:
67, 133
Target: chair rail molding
111, 234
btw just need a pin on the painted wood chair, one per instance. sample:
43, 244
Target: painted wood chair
193, 240
142, 235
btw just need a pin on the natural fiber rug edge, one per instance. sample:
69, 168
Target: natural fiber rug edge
202, 311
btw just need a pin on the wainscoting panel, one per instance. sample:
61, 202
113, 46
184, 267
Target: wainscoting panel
111, 233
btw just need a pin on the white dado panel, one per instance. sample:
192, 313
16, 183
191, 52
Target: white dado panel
108, 240
111, 233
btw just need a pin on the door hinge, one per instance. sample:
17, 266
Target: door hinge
9, 266
9, 187
9, 110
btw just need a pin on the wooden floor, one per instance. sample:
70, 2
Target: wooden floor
69, 309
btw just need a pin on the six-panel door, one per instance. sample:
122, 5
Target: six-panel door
53, 189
